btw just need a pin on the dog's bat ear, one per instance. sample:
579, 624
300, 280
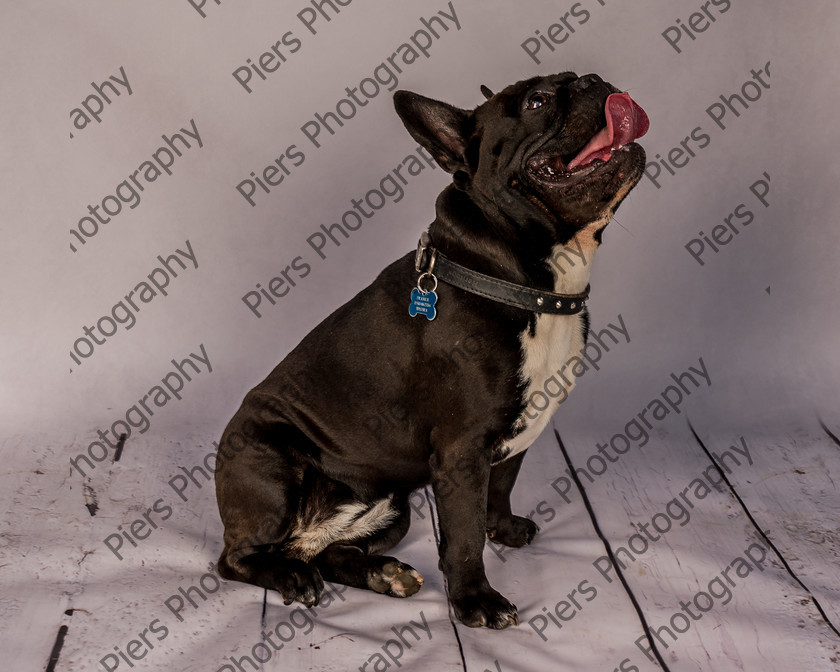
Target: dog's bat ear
442, 129
488, 94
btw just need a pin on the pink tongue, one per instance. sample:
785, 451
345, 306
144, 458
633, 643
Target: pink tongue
626, 121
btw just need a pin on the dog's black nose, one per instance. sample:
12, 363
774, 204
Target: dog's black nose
585, 82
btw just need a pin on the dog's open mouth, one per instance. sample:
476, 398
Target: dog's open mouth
626, 122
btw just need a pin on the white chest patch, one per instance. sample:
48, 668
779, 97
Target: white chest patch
546, 353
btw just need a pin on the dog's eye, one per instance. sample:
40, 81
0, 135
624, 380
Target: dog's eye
537, 100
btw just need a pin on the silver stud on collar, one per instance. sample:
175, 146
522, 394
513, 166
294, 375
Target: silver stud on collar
539, 300
559, 304
573, 306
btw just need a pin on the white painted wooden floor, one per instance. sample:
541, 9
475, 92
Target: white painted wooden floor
658, 562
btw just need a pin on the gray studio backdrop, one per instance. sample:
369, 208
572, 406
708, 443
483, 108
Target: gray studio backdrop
189, 186
133, 132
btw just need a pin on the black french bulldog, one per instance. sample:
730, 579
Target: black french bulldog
307, 491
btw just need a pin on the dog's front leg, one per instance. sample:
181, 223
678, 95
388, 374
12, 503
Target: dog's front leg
460, 480
502, 526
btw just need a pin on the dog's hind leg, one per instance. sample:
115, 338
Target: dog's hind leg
255, 547
259, 490
359, 565
295, 580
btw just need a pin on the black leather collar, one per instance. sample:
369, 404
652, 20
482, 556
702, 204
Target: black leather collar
431, 263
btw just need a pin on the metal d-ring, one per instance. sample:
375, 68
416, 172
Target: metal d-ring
432, 260
420, 280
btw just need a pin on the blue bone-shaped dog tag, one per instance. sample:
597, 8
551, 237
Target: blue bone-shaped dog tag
422, 304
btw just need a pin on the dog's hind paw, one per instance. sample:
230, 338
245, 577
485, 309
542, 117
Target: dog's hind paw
300, 582
513, 531
396, 579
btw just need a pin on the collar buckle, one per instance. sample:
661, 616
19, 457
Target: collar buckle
422, 245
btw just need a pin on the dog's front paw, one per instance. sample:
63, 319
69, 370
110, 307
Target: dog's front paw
487, 608
513, 531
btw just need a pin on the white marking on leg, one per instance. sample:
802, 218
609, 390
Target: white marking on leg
347, 522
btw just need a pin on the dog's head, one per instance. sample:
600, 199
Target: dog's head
551, 153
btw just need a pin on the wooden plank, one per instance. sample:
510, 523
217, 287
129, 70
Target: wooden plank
709, 587
791, 490
30, 618
38, 565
